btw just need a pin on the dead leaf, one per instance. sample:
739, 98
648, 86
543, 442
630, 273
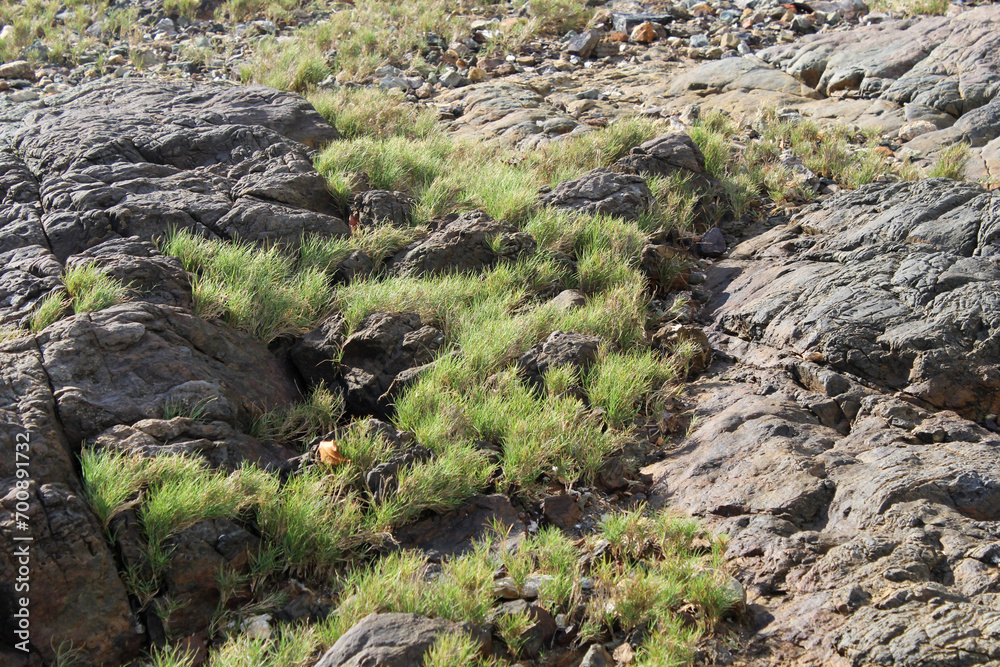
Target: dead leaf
329, 455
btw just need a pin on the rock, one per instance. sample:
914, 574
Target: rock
561, 348
583, 45
135, 158
17, 69
602, 191
647, 32
472, 242
75, 591
739, 74
138, 265
452, 79
915, 129
477, 74
626, 23
392, 640
542, 628
316, 355
569, 299
383, 346
217, 443
597, 656
688, 340
905, 61
699, 41
561, 511
456, 532
129, 362
903, 269
665, 155
712, 243
375, 207
381, 480
27, 275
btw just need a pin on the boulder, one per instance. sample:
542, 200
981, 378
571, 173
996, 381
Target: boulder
135, 360
374, 207
27, 275
664, 155
392, 640
382, 347
472, 242
602, 191
561, 348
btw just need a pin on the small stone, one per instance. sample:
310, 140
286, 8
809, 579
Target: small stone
729, 41
526, 61
476, 74
257, 627
27, 95
505, 588
569, 299
647, 32
597, 656
452, 79
698, 41
116, 60
915, 129
583, 44
712, 243
562, 511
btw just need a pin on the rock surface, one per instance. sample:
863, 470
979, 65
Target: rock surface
137, 158
602, 191
834, 443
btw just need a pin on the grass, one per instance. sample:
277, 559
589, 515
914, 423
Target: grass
317, 415
91, 290
951, 162
255, 289
912, 7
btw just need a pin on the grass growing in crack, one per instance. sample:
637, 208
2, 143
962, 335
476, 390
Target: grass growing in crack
48, 311
373, 112
91, 290
258, 290
301, 422
618, 381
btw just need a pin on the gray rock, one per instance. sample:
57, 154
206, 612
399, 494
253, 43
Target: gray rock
559, 349
583, 45
135, 158
374, 207
712, 243
27, 275
665, 155
383, 347
472, 242
129, 362
316, 355
146, 273
602, 191
391, 640
626, 23
739, 74
597, 656
456, 532
76, 594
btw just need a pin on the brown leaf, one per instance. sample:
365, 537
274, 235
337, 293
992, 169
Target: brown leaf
329, 455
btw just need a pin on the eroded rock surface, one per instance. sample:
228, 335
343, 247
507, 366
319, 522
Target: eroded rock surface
137, 158
844, 439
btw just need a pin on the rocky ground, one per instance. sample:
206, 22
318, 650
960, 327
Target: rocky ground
792, 248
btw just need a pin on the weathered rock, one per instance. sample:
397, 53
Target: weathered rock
217, 443
569, 299
472, 242
145, 272
17, 69
736, 74
689, 342
75, 593
647, 32
583, 45
375, 207
561, 348
27, 275
626, 23
456, 532
130, 362
597, 656
665, 155
894, 283
602, 191
383, 346
943, 62
562, 510
381, 480
135, 158
712, 243
542, 627
392, 640
316, 355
